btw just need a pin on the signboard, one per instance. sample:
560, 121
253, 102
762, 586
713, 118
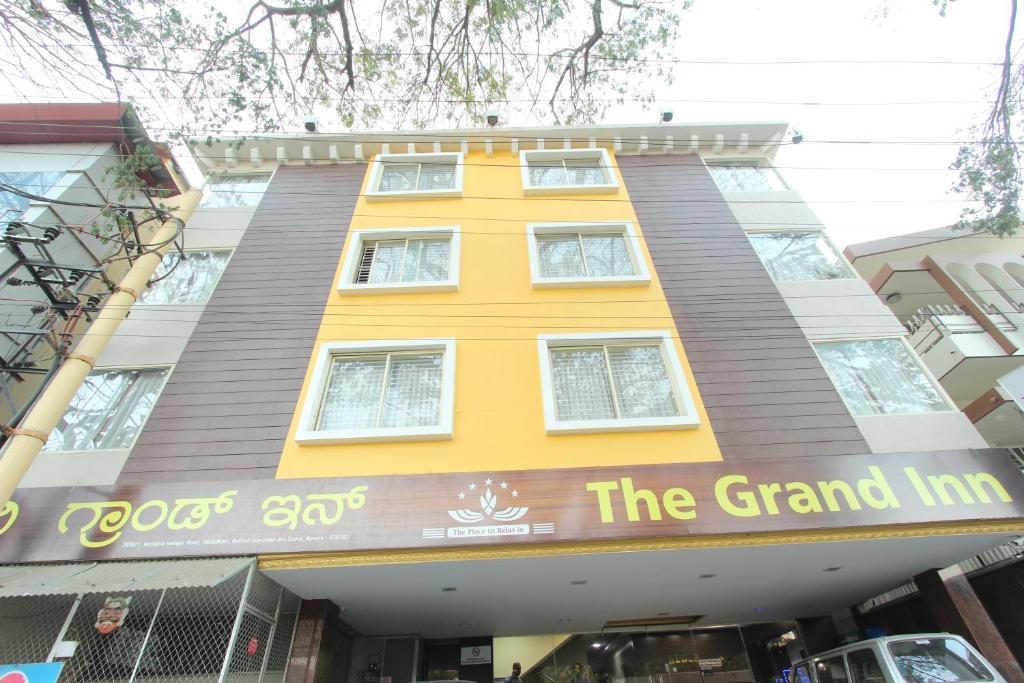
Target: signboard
30, 673
490, 508
478, 654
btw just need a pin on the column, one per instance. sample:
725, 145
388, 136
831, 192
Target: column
957, 609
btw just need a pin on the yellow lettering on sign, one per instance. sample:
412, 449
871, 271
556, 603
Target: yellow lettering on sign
746, 502
110, 516
199, 510
805, 499
975, 481
875, 490
677, 498
604, 489
10, 511
320, 508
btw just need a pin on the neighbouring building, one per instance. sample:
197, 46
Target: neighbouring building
960, 296
64, 158
416, 405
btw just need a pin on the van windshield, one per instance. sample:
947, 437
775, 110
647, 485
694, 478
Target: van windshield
937, 660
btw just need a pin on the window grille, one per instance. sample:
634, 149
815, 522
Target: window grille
188, 279
381, 390
584, 255
798, 255
611, 381
879, 377
571, 171
409, 260
108, 410
404, 176
745, 176
235, 191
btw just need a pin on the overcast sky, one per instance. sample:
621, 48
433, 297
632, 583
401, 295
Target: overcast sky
852, 187
861, 191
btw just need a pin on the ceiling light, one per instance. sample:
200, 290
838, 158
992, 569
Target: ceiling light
578, 582
831, 569
448, 589
893, 298
596, 644
662, 614
706, 576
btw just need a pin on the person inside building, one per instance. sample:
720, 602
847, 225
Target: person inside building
576, 673
517, 669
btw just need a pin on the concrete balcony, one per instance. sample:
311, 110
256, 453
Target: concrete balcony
962, 352
998, 414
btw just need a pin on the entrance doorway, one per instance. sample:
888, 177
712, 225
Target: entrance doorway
758, 653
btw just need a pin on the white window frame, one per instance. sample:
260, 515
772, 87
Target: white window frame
687, 419
306, 433
640, 278
353, 257
526, 156
377, 173
142, 427
231, 255
753, 160
851, 274
950, 405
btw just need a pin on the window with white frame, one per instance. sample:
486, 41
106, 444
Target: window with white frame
380, 391
234, 190
745, 175
880, 377
799, 255
12, 206
108, 410
613, 382
590, 254
186, 278
567, 170
425, 259
411, 176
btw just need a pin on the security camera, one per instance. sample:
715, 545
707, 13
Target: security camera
666, 115
798, 137
311, 124
492, 117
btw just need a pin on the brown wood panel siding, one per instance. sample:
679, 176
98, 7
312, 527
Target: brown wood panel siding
763, 386
226, 409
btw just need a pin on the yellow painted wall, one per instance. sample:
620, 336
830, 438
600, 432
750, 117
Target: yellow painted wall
495, 317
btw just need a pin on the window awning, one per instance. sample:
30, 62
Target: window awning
116, 577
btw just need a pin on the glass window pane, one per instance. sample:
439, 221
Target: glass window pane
387, 261
108, 410
879, 377
831, 670
437, 177
937, 660
744, 176
798, 255
607, 255
398, 177
426, 260
547, 173
560, 256
864, 667
234, 191
12, 206
352, 397
641, 381
585, 172
580, 380
413, 394
191, 280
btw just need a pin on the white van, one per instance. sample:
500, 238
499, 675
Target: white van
913, 658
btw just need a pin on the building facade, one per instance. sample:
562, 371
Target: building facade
604, 396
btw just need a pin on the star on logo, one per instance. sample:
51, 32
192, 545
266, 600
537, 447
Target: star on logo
488, 481
472, 487
462, 495
503, 484
515, 494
